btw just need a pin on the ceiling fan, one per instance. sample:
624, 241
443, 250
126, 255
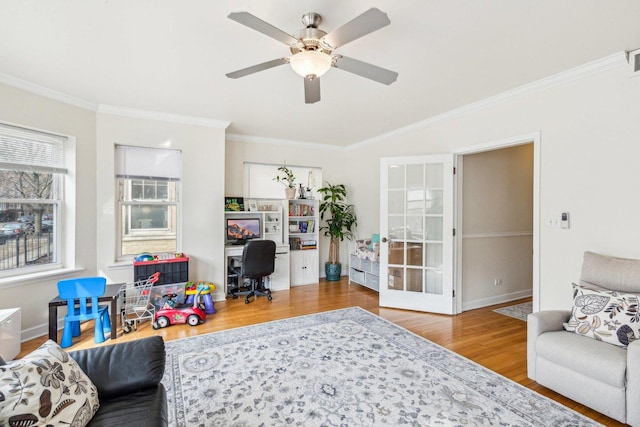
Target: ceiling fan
311, 49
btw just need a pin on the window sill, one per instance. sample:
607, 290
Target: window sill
13, 281
120, 265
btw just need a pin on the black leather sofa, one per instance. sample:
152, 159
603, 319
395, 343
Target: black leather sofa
127, 376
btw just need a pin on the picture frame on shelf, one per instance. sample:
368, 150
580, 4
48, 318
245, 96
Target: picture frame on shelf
253, 205
233, 204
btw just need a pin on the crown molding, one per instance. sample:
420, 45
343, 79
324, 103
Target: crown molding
163, 117
46, 92
286, 142
564, 77
586, 70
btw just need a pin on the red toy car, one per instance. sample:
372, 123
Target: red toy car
172, 313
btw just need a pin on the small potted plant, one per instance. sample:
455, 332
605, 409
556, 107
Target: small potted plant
287, 178
339, 223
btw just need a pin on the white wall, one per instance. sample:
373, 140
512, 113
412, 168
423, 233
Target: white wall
203, 155
334, 170
497, 226
27, 109
589, 149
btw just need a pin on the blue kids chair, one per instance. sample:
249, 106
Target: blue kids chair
84, 293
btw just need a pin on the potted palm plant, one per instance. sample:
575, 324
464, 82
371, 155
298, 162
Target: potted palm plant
287, 178
340, 220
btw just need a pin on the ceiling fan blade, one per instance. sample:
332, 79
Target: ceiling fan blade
370, 21
245, 18
365, 69
256, 68
311, 90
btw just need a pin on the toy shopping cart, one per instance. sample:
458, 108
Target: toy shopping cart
134, 303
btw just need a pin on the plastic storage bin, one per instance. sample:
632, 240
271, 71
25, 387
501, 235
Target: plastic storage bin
172, 270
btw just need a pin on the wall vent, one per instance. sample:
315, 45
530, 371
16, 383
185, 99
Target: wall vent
634, 62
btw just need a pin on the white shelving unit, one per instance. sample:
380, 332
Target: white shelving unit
302, 234
365, 272
270, 214
272, 224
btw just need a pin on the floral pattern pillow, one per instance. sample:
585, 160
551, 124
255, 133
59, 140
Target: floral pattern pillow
605, 315
46, 388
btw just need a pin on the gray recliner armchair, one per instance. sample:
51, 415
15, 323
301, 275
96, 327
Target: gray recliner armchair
600, 375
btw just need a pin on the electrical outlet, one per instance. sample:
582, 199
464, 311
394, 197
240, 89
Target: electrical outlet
497, 282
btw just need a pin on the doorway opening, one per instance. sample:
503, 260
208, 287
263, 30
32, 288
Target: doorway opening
496, 223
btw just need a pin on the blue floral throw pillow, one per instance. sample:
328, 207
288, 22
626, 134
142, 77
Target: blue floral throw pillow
604, 315
46, 387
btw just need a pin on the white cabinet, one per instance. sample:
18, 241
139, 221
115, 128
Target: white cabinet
10, 329
364, 271
302, 234
279, 280
304, 267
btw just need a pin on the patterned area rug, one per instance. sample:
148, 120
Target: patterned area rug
519, 311
341, 368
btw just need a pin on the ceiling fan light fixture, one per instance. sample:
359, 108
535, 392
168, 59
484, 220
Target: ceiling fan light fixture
310, 63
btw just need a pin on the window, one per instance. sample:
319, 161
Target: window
31, 198
148, 182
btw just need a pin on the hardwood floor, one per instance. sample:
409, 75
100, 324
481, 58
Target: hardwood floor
493, 340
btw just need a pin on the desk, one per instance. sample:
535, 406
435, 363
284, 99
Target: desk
110, 295
279, 280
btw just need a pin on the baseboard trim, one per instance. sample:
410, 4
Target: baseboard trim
496, 299
35, 332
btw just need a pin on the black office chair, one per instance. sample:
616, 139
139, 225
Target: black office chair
258, 261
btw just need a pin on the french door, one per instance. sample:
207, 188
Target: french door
416, 226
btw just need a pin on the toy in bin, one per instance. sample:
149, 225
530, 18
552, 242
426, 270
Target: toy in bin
172, 313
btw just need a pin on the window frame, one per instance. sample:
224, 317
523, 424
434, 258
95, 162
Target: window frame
60, 177
124, 200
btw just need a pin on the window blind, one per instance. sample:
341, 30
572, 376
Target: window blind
148, 163
29, 150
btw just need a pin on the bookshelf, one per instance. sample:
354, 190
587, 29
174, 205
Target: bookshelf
302, 235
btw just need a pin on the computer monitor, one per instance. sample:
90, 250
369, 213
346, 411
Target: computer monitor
239, 230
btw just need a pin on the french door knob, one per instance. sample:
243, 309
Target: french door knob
384, 240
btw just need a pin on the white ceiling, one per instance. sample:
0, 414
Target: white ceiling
171, 56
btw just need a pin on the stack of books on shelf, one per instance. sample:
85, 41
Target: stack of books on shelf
294, 243
297, 244
306, 226
308, 244
300, 210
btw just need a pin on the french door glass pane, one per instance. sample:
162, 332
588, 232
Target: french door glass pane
414, 228
434, 282
414, 254
396, 202
396, 227
434, 228
434, 255
414, 280
396, 278
415, 176
415, 202
433, 201
396, 253
434, 176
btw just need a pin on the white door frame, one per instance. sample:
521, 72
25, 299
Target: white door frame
533, 137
